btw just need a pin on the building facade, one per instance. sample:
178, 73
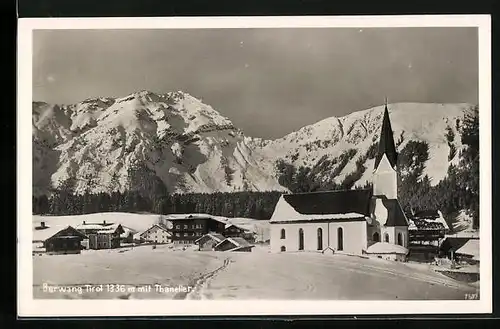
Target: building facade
101, 235
66, 241
156, 234
185, 230
349, 221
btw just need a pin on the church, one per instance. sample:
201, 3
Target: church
362, 222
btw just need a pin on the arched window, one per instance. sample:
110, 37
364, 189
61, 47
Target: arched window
282, 233
340, 239
320, 238
283, 248
301, 239
376, 237
400, 239
386, 237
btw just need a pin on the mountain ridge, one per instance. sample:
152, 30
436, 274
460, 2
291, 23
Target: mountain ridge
147, 141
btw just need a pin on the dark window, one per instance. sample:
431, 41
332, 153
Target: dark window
283, 248
376, 237
400, 239
386, 237
320, 238
340, 239
283, 233
301, 239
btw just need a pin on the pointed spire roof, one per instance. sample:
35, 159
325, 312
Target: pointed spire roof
386, 143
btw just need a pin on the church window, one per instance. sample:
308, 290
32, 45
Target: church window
376, 237
283, 248
340, 239
386, 237
301, 239
400, 239
320, 238
283, 233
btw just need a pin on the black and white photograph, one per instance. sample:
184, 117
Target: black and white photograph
315, 160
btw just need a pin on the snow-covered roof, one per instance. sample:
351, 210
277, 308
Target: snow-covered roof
173, 217
386, 248
347, 216
237, 242
470, 248
155, 226
215, 236
44, 234
237, 226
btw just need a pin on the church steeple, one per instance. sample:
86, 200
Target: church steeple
386, 143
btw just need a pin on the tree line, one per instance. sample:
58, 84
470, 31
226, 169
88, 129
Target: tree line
258, 205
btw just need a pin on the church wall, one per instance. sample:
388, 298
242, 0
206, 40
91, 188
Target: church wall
404, 231
354, 236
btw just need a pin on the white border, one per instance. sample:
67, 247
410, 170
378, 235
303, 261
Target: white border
27, 306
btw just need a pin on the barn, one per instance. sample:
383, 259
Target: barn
234, 244
209, 241
66, 241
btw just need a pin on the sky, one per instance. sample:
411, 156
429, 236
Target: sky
268, 82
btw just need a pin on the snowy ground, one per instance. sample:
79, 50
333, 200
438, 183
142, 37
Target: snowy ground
255, 275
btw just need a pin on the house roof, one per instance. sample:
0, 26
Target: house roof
241, 247
421, 224
153, 226
75, 233
386, 248
427, 214
386, 143
214, 236
127, 231
470, 248
237, 226
237, 242
395, 214
453, 243
175, 217
331, 202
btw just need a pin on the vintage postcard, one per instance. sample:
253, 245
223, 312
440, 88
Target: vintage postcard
254, 166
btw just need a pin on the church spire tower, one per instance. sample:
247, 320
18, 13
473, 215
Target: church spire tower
385, 171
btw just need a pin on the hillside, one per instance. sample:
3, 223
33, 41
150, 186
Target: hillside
152, 143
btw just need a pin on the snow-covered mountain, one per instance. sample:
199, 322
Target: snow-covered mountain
147, 141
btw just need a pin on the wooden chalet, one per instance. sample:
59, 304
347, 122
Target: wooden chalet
66, 241
235, 230
187, 229
102, 235
209, 241
426, 231
234, 244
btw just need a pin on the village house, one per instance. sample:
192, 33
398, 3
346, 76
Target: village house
426, 230
234, 244
65, 241
209, 241
128, 235
349, 221
451, 245
235, 230
469, 252
101, 235
157, 234
187, 229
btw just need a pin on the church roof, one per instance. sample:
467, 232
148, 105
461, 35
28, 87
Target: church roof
395, 214
331, 202
386, 143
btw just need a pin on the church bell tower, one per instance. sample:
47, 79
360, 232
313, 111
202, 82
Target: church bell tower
385, 175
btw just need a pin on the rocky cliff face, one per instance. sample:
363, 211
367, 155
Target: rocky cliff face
149, 142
